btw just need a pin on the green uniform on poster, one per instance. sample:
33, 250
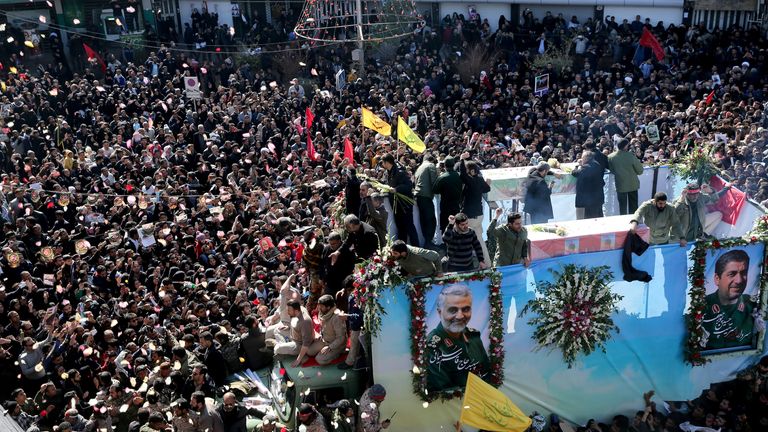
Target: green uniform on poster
728, 326
450, 360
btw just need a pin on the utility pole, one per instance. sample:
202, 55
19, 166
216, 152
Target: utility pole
360, 37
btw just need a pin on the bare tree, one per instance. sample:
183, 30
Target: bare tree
473, 60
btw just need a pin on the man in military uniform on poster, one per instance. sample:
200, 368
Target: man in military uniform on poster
728, 318
453, 349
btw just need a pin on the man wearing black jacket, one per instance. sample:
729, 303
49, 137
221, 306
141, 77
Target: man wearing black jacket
338, 263
209, 353
361, 237
589, 187
472, 197
399, 180
234, 415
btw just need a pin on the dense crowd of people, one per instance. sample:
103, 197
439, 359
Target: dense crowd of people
152, 245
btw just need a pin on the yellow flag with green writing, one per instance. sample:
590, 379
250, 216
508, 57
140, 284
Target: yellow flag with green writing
409, 137
485, 407
372, 121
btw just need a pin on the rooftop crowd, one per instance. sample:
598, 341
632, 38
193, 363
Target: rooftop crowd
149, 242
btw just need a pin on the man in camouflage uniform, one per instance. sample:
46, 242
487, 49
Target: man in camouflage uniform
308, 416
453, 349
370, 417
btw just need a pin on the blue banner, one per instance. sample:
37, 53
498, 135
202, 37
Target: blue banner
647, 353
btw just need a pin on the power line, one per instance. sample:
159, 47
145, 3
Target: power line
158, 46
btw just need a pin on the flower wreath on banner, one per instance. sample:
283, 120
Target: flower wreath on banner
760, 230
419, 331
695, 316
573, 313
370, 279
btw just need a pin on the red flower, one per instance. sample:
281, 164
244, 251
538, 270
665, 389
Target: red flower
702, 261
753, 239
43, 413
698, 282
282, 371
699, 317
716, 244
376, 260
362, 270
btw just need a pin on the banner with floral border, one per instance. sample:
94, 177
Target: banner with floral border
419, 331
371, 278
695, 343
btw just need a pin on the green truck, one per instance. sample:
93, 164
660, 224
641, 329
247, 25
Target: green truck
320, 385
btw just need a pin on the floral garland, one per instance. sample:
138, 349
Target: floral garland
573, 313
419, 331
761, 227
370, 279
695, 315
697, 165
557, 229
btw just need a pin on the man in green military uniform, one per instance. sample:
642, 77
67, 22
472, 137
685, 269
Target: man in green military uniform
626, 168
728, 320
511, 240
416, 262
453, 349
660, 219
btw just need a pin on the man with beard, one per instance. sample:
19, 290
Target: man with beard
302, 334
333, 332
462, 245
728, 320
453, 349
512, 240
660, 219
207, 416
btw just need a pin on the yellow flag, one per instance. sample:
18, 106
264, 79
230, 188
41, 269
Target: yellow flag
409, 137
485, 407
371, 121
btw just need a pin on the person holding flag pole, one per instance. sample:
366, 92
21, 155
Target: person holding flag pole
373, 122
